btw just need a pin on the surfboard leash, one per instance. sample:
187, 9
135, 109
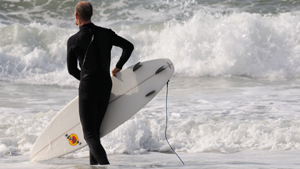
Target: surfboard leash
167, 123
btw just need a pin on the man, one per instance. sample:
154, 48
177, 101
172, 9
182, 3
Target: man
91, 47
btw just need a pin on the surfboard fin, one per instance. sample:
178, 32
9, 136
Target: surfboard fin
150, 93
137, 66
160, 69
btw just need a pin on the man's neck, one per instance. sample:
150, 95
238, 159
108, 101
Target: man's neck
83, 23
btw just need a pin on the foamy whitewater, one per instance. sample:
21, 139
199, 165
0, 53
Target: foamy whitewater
233, 100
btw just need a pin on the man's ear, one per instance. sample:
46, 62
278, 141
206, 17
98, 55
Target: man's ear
76, 15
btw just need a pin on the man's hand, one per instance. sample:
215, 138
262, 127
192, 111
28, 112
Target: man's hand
114, 71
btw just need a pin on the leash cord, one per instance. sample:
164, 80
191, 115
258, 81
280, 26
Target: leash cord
167, 124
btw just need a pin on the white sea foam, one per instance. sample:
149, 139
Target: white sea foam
202, 118
237, 44
21, 131
230, 45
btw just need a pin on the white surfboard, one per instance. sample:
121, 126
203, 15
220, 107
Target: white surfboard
132, 89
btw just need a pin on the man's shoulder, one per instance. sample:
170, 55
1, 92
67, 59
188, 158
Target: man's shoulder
105, 30
72, 39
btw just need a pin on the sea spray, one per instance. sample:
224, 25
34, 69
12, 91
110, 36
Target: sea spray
21, 131
237, 44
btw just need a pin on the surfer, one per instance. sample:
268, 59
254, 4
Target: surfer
91, 47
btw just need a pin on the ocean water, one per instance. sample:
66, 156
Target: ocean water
233, 100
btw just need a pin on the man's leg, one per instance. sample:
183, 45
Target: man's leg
102, 104
93, 160
88, 107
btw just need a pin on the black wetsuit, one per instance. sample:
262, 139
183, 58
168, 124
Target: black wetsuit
95, 81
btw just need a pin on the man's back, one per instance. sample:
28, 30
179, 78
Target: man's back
99, 52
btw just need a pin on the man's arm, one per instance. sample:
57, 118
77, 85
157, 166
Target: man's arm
127, 50
72, 61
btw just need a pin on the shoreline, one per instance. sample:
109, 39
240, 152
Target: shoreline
244, 159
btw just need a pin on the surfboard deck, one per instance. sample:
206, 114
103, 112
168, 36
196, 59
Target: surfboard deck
132, 89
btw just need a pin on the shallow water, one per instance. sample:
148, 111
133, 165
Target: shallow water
231, 120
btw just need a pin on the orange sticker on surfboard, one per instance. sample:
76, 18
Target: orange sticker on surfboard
73, 139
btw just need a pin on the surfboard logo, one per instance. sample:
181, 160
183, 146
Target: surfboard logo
73, 139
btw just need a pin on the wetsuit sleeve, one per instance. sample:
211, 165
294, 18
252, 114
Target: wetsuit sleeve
125, 45
72, 61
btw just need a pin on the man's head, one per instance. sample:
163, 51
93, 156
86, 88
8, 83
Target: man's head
83, 12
